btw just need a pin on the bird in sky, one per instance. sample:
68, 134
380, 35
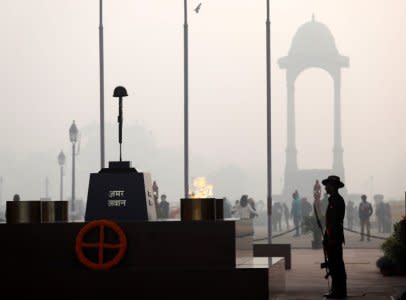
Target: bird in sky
197, 9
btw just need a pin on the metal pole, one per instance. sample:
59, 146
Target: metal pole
61, 185
269, 127
101, 62
73, 177
186, 103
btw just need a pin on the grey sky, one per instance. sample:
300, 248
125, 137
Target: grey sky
49, 76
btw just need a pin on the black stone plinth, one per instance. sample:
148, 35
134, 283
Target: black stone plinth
164, 260
162, 245
120, 193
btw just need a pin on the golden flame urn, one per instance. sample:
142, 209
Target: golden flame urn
36, 212
199, 209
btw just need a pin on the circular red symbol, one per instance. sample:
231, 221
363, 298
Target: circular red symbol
101, 245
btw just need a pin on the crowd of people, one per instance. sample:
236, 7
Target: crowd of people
361, 216
284, 217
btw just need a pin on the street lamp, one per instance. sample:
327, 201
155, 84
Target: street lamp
101, 65
269, 124
186, 102
73, 136
186, 108
268, 111
61, 162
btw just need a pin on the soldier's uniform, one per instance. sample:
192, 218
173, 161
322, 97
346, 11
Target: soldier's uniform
333, 242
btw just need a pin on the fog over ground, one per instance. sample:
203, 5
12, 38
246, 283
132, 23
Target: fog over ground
49, 77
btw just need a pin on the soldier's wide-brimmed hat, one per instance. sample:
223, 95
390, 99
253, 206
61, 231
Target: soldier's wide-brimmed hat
334, 180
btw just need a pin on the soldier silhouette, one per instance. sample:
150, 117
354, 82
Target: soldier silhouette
334, 237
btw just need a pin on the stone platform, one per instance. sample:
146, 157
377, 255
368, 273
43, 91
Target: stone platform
191, 260
305, 280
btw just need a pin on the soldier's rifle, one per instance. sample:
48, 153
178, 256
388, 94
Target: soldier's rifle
323, 265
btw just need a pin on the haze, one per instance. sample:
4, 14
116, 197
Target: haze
49, 77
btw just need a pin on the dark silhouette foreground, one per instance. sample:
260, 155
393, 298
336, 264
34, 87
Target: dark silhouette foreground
334, 237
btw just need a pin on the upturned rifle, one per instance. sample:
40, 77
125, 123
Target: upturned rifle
323, 265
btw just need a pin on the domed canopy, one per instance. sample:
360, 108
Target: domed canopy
313, 43
313, 38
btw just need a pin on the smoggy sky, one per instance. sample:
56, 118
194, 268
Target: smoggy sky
49, 76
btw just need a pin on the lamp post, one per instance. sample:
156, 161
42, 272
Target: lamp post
61, 162
73, 136
186, 101
269, 125
269, 109
101, 65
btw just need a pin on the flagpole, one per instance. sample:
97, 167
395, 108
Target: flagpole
101, 63
269, 125
186, 103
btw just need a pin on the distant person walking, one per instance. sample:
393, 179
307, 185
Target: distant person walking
306, 208
163, 208
296, 212
277, 211
350, 214
380, 215
286, 214
356, 220
364, 212
245, 209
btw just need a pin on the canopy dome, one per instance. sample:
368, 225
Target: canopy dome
313, 45
313, 38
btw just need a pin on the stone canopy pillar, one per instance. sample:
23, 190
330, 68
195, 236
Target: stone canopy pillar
291, 152
338, 161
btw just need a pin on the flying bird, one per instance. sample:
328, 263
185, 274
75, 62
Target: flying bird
197, 9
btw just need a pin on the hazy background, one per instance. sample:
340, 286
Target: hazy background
49, 76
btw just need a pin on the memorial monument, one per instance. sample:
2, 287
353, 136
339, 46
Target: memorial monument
313, 46
120, 192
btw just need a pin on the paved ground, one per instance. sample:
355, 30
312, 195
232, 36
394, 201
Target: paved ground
304, 241
305, 281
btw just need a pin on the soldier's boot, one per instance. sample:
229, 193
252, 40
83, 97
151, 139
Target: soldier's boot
340, 290
332, 288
